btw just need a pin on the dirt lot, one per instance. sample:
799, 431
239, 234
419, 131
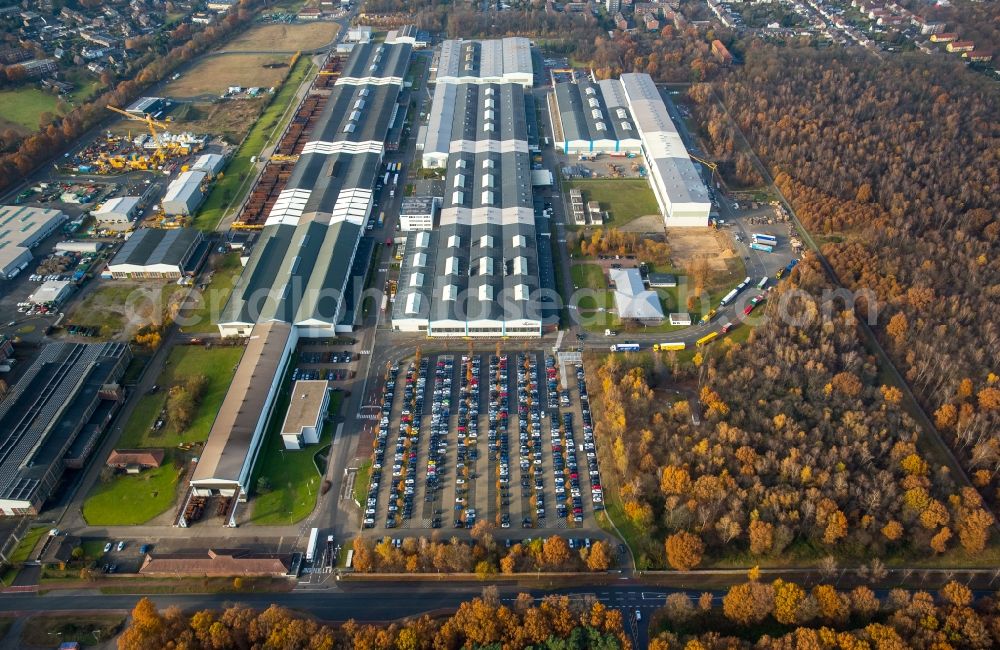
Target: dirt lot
690, 244
230, 119
284, 38
213, 75
651, 223
119, 307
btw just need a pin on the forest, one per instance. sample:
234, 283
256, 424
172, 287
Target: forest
801, 452
553, 622
784, 615
894, 168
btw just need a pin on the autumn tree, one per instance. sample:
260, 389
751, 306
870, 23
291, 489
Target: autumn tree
684, 550
750, 602
599, 558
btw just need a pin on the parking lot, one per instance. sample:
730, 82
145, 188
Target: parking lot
463, 438
330, 362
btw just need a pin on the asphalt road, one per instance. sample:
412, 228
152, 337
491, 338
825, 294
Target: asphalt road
365, 603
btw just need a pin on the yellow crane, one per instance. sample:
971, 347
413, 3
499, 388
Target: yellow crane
708, 163
159, 156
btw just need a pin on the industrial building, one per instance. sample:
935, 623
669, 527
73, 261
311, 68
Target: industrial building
303, 423
506, 60
83, 246
677, 319
477, 272
633, 300
300, 266
22, 228
593, 118
52, 293
155, 253
119, 211
210, 163
184, 194
677, 184
53, 417
147, 107
418, 212
296, 282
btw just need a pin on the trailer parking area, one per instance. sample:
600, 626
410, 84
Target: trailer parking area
460, 438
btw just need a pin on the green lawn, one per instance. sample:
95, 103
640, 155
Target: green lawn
23, 106
27, 544
361, 480
293, 475
203, 317
625, 199
217, 364
133, 499
230, 189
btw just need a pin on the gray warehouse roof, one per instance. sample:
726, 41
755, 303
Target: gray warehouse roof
496, 59
148, 246
21, 228
481, 262
632, 299
377, 60
590, 111
232, 437
47, 409
664, 148
301, 263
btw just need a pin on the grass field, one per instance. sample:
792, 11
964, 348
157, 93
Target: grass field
214, 74
20, 108
217, 364
133, 499
361, 480
209, 303
283, 38
625, 199
591, 276
232, 188
27, 544
293, 476
88, 630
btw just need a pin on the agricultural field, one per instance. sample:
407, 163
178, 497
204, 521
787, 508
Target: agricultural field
214, 74
20, 109
284, 37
